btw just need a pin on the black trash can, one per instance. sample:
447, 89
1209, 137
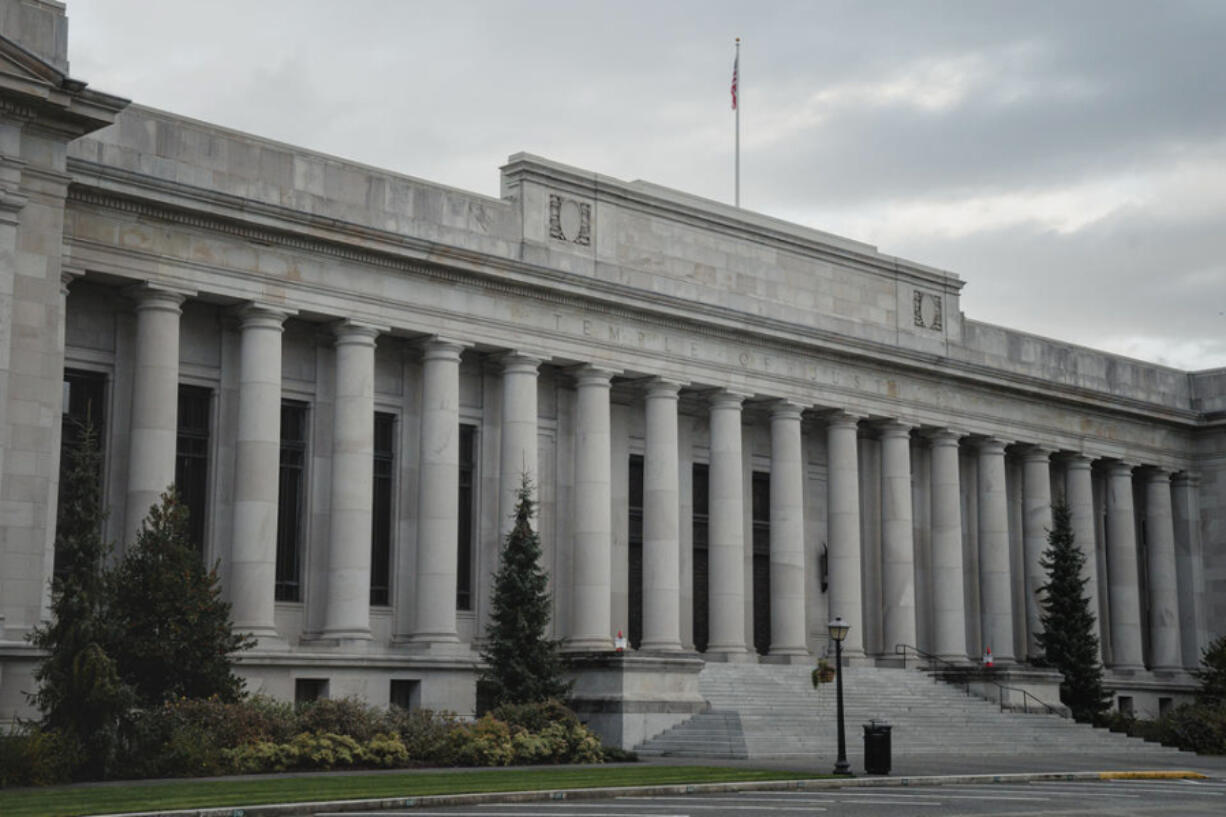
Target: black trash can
877, 747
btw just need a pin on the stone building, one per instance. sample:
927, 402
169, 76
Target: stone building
739, 427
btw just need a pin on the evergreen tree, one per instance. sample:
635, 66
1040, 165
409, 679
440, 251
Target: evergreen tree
1068, 640
522, 664
173, 632
79, 692
1212, 673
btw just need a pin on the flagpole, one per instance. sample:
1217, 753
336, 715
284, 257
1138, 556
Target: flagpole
737, 80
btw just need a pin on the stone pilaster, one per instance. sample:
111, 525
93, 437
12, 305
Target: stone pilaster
155, 403
1189, 565
518, 452
434, 599
726, 537
1079, 496
592, 514
1123, 590
843, 527
1036, 522
257, 454
995, 585
1164, 639
347, 615
948, 593
787, 532
661, 524
897, 538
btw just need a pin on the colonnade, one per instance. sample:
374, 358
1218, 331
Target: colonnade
346, 595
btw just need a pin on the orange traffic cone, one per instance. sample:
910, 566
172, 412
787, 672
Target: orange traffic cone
987, 657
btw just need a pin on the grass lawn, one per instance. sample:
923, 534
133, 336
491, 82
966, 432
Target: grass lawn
66, 801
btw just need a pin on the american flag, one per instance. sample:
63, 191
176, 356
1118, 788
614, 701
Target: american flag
735, 64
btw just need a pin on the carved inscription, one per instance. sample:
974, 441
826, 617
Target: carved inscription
927, 309
570, 220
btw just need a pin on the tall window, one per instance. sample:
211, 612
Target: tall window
635, 541
291, 500
84, 405
192, 459
762, 562
701, 509
381, 510
466, 517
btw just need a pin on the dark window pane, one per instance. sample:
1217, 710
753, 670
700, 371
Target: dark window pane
291, 501
701, 604
381, 510
634, 624
192, 459
761, 561
466, 518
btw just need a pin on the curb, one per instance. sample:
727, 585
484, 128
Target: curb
378, 807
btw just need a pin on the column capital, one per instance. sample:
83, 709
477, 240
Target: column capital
838, 418
1119, 468
589, 375
262, 316
1154, 473
993, 446
659, 388
157, 296
1185, 479
726, 399
786, 410
519, 362
1077, 461
944, 437
437, 347
894, 428
1036, 453
357, 333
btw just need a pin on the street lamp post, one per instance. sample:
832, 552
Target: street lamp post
838, 631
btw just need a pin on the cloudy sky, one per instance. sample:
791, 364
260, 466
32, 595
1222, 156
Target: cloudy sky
1066, 159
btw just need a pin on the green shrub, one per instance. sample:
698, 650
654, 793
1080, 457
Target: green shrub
386, 751
262, 756
341, 716
1197, 727
30, 756
425, 734
485, 742
535, 716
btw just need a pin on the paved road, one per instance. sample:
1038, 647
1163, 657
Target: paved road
1140, 798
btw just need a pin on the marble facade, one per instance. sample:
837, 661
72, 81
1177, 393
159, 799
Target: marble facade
865, 449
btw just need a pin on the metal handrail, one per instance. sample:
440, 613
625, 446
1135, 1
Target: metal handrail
957, 670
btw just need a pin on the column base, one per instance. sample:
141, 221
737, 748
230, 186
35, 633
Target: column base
354, 634
787, 655
588, 644
660, 647
730, 655
1126, 669
266, 638
434, 644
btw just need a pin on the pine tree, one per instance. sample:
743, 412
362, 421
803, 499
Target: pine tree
1068, 640
1212, 673
174, 636
522, 664
79, 692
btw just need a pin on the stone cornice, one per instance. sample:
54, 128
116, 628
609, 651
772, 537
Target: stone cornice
269, 225
37, 91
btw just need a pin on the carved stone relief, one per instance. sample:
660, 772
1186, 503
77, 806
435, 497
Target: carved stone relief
927, 308
570, 220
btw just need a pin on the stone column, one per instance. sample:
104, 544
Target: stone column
1123, 590
257, 463
897, 538
1079, 496
592, 514
347, 614
434, 599
843, 527
661, 521
1164, 639
787, 532
995, 587
155, 403
948, 594
518, 455
726, 537
1036, 522
1189, 564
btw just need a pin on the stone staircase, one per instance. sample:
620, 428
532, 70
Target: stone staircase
765, 711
